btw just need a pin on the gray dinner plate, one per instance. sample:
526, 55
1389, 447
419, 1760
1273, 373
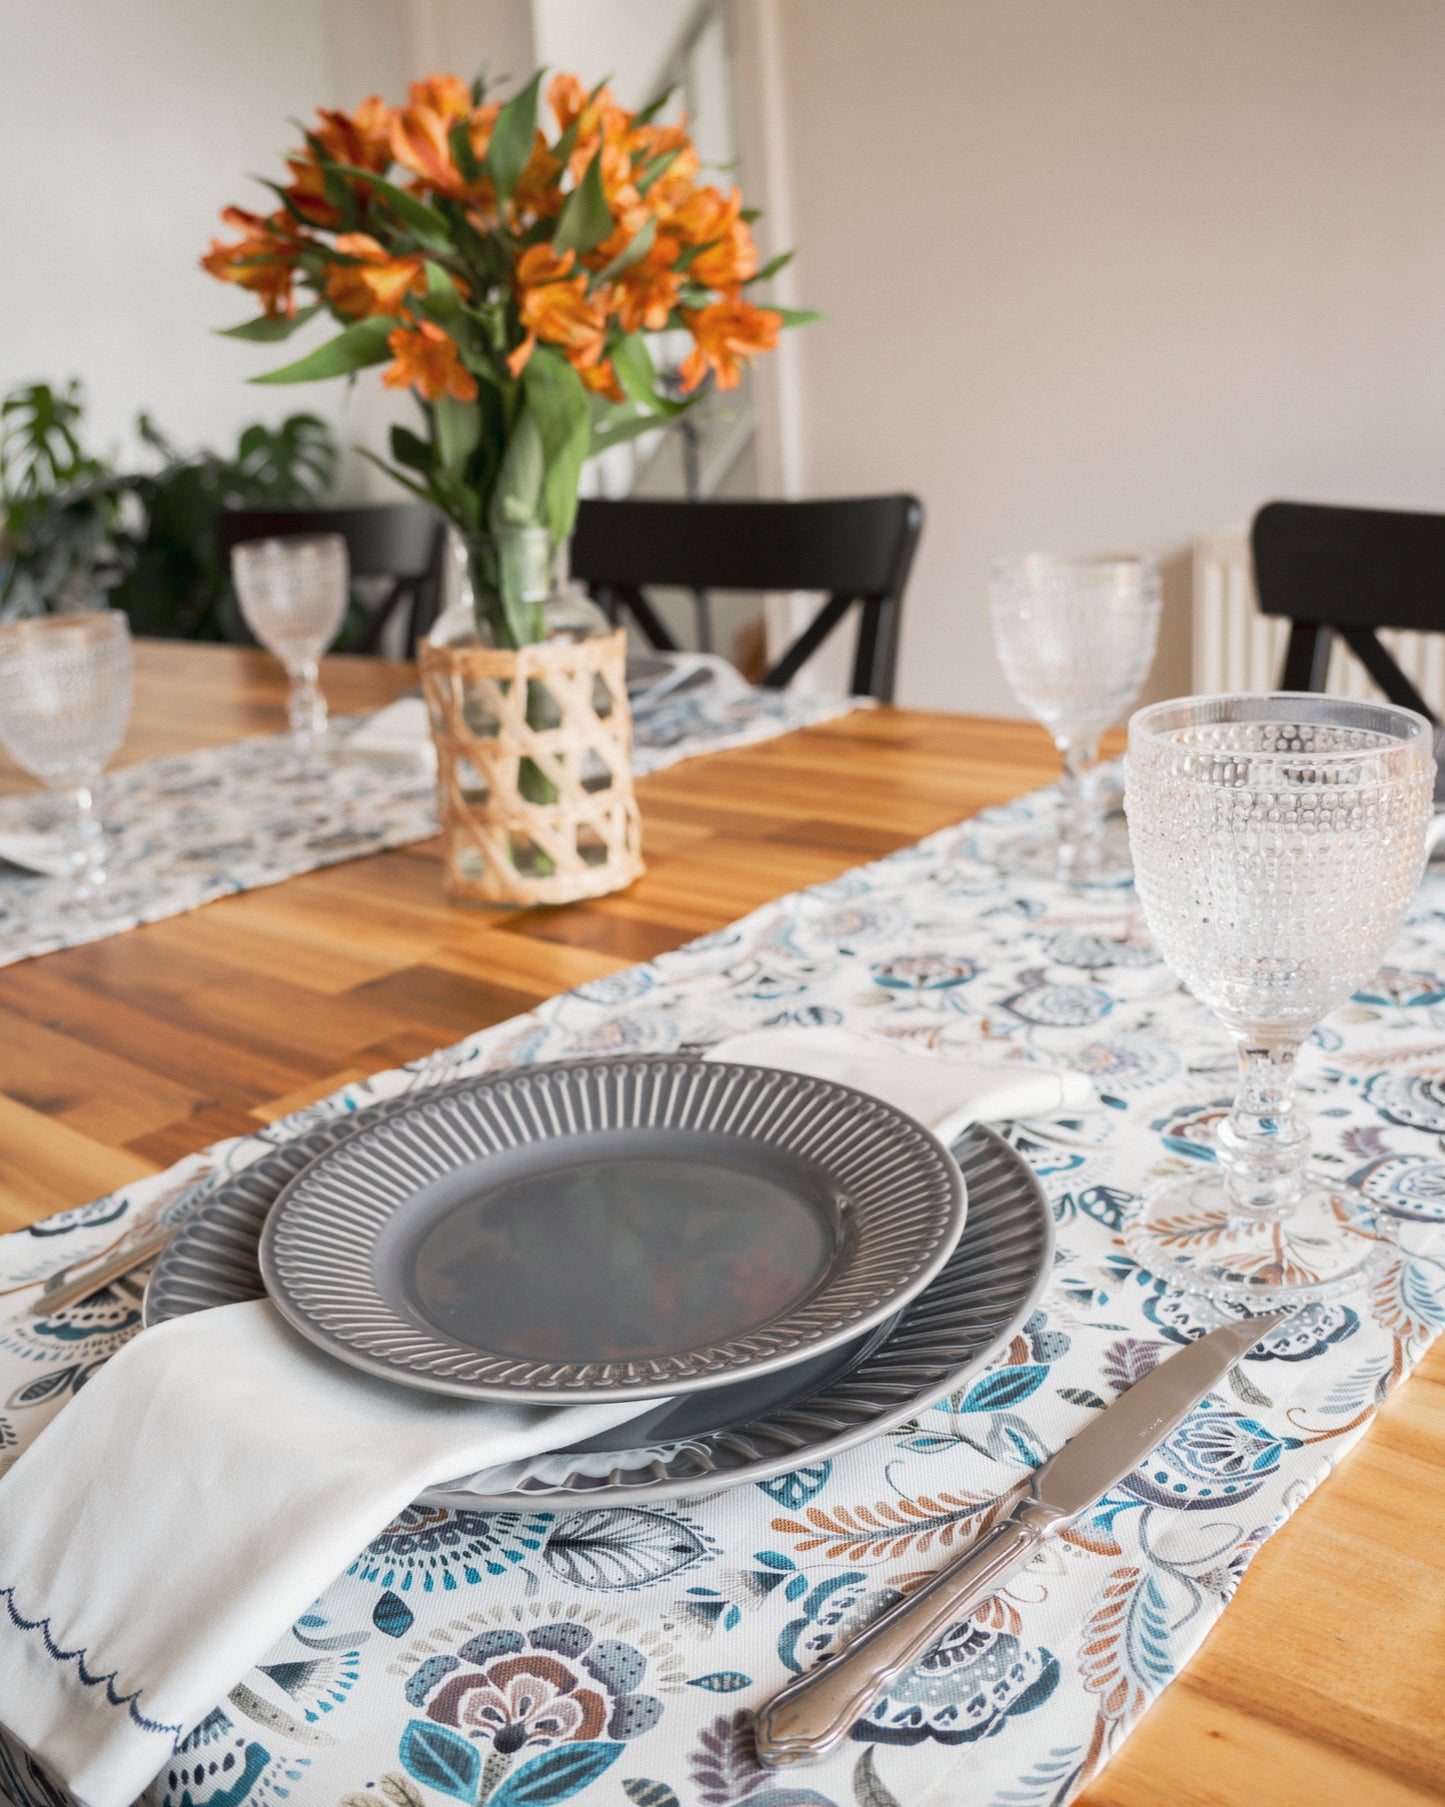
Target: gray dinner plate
602, 1229
749, 1430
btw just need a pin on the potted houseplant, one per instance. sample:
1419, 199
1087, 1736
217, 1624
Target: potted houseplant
511, 280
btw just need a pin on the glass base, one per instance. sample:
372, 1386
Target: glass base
1190, 1236
1045, 851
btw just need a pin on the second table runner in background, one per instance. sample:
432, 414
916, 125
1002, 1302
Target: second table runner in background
195, 827
523, 1658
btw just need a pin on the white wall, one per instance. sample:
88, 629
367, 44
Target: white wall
126, 127
1105, 274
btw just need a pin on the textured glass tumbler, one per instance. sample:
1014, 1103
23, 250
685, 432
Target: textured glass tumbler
1277, 842
293, 596
1076, 638
65, 700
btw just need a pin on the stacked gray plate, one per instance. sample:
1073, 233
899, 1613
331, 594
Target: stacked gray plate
453, 1239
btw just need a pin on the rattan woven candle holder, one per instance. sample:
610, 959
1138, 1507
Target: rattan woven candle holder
534, 770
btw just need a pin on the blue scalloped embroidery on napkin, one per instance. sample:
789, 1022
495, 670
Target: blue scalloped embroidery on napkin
57, 1655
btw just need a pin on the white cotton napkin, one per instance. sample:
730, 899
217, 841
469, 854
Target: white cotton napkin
941, 1092
175, 1519
46, 854
401, 731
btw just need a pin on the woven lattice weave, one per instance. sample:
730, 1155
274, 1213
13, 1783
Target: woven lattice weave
590, 837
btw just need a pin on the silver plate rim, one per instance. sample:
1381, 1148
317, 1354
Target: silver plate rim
431, 1362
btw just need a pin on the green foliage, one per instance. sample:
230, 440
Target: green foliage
75, 525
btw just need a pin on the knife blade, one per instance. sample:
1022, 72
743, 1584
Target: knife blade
809, 1717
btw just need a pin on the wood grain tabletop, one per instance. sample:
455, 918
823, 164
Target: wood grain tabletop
1322, 1685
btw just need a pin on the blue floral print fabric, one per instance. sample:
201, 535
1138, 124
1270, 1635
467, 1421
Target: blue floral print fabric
615, 1656
186, 830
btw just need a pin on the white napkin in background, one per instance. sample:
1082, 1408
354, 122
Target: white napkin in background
45, 854
400, 731
941, 1092
175, 1519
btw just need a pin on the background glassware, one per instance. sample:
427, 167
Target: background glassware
1076, 638
1278, 841
293, 596
65, 700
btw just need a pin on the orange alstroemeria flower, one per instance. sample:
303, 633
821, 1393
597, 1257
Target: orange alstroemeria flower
447, 95
376, 285
538, 194
712, 219
601, 379
646, 293
361, 140
421, 142
554, 306
263, 260
728, 335
427, 361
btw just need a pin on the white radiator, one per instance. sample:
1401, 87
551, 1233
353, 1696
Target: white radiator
1237, 648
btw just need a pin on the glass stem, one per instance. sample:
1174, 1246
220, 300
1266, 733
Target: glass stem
86, 843
1263, 1144
1078, 800
307, 707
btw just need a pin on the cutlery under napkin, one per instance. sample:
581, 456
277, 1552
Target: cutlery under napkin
177, 1517
212, 1480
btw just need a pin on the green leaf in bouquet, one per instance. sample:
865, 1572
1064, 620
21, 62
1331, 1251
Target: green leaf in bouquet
517, 495
423, 222
658, 167
636, 248
771, 268
749, 214
270, 327
585, 219
360, 345
424, 491
614, 423
510, 145
465, 158
411, 449
557, 400
654, 107
633, 363
798, 316
458, 430
440, 302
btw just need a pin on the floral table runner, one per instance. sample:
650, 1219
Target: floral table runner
614, 1656
188, 829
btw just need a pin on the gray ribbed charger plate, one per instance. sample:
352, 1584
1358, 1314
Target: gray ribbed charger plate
600, 1229
749, 1430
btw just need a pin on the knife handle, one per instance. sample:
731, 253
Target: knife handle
805, 1720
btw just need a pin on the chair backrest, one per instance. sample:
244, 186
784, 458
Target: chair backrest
857, 550
1349, 571
402, 541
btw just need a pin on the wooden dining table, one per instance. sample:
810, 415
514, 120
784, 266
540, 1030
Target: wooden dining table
1322, 1684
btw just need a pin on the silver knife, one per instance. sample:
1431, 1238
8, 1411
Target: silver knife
812, 1715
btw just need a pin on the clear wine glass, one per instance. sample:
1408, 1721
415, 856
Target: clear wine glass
65, 701
292, 593
1278, 841
1076, 638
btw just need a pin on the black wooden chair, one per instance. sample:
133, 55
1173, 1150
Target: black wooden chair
403, 544
856, 551
1349, 571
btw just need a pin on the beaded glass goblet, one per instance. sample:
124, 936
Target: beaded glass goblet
65, 701
1277, 842
1076, 638
292, 593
